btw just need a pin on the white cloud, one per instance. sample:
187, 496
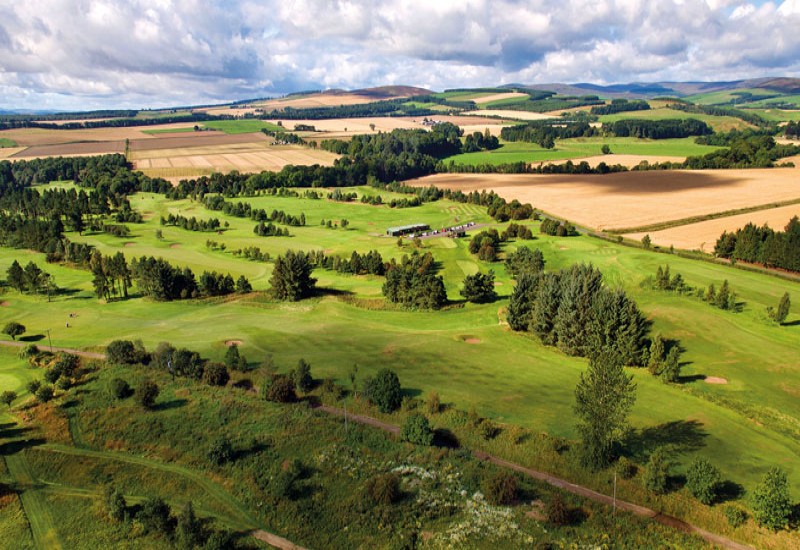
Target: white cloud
91, 53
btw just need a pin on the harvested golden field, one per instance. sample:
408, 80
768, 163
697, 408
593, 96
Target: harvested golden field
244, 157
508, 113
348, 127
498, 97
625, 160
29, 137
634, 199
6, 152
703, 235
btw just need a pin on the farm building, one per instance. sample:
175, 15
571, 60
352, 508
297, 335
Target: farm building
406, 229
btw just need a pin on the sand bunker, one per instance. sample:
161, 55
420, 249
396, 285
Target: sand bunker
230, 343
471, 339
5, 304
715, 380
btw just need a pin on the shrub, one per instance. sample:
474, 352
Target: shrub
625, 468
221, 451
702, 480
121, 352
281, 389
417, 430
735, 515
119, 388
488, 430
154, 515
434, 404
31, 350
556, 511
44, 394
146, 393
33, 386
656, 473
500, 489
384, 390
8, 397
114, 504
52, 374
64, 383
282, 485
770, 500
302, 376
383, 489
216, 374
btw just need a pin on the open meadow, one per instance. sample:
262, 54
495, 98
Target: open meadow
634, 199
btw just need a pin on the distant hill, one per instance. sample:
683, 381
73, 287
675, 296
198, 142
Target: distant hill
654, 89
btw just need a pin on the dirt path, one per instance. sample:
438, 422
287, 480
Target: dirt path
276, 541
565, 485
87, 354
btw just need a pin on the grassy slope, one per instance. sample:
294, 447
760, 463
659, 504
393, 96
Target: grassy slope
583, 147
520, 381
718, 123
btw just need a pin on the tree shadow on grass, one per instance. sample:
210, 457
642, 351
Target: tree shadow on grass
13, 447
11, 430
442, 437
31, 338
172, 404
729, 490
794, 323
691, 378
678, 436
411, 392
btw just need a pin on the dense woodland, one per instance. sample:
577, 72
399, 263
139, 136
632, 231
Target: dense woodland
621, 106
763, 245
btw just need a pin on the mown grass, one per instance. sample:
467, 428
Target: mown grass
169, 130
5, 142
508, 377
240, 126
519, 151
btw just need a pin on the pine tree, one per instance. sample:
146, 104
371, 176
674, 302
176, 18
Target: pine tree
16, 276
783, 308
772, 506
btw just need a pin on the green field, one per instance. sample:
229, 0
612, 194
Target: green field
726, 96
241, 126
718, 123
5, 142
776, 115
519, 151
464, 352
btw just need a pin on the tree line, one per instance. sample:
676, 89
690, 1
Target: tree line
159, 279
413, 282
620, 105
246, 210
763, 245
657, 129
191, 224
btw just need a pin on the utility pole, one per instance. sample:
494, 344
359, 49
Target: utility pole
615, 493
49, 340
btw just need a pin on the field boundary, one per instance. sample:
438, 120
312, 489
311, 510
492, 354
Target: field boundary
563, 484
702, 218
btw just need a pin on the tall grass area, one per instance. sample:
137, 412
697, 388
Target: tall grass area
465, 352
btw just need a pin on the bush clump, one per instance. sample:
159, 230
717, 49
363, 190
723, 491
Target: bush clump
119, 388
500, 489
417, 430
383, 489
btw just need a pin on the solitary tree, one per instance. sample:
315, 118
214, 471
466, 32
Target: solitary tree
603, 399
771, 504
146, 394
14, 329
384, 390
479, 288
656, 474
8, 397
702, 480
291, 279
302, 376
417, 430
783, 308
16, 276
646, 242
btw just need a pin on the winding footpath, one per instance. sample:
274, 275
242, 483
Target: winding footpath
80, 353
563, 484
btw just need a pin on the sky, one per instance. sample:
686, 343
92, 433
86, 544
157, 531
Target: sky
95, 54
